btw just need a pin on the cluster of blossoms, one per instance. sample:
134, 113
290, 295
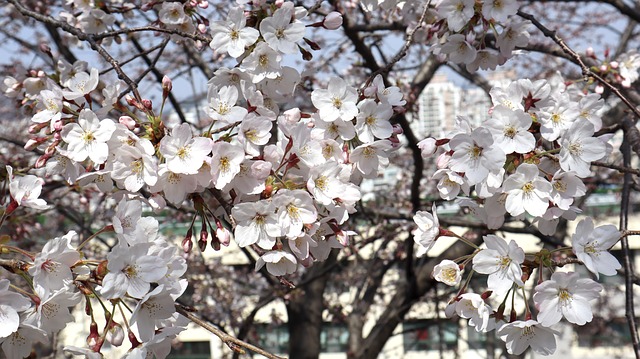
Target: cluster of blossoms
464, 27
286, 196
528, 159
142, 272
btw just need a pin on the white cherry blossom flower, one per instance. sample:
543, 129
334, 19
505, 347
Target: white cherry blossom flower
232, 35
81, 84
337, 101
527, 191
373, 121
369, 157
175, 186
457, 13
476, 155
278, 263
295, 208
513, 35
459, 50
257, 222
225, 163
556, 119
447, 272
88, 137
566, 295
20, 343
51, 268
263, 63
471, 306
499, 10
520, 335
131, 271
510, 130
10, 304
25, 190
279, 32
579, 148
183, 152
222, 105
52, 314
501, 261
428, 230
450, 184
565, 187
154, 306
591, 246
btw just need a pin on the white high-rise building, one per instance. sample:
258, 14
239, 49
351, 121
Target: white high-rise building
443, 100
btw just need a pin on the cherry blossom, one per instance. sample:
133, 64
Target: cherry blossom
520, 335
566, 295
591, 246
501, 261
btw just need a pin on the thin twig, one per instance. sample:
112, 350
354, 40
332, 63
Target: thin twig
81, 36
407, 42
234, 343
628, 266
586, 71
617, 168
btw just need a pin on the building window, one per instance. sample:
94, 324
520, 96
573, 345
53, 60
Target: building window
190, 350
272, 338
334, 338
430, 335
604, 333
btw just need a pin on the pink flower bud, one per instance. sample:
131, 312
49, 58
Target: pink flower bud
203, 4
32, 143
147, 104
614, 64
167, 85
600, 89
590, 52
115, 334
397, 129
41, 161
332, 21
427, 147
223, 236
129, 122
443, 160
604, 68
202, 28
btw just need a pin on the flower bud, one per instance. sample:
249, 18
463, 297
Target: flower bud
603, 68
312, 44
443, 160
202, 28
41, 161
332, 21
167, 85
427, 147
115, 334
129, 122
203, 4
148, 105
187, 244
224, 236
614, 64
590, 52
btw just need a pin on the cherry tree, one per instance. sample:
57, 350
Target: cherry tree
274, 160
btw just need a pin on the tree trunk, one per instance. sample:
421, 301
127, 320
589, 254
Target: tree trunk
305, 312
